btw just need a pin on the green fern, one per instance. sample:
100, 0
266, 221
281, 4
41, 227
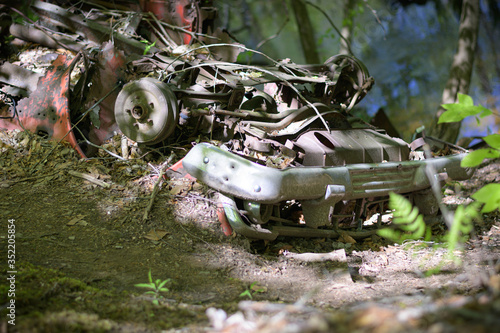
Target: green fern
409, 224
462, 227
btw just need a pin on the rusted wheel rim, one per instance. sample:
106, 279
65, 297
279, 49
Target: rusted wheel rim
146, 111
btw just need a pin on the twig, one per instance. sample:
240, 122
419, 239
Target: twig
100, 147
156, 187
194, 35
287, 19
239, 46
374, 12
89, 178
194, 236
337, 255
163, 34
332, 24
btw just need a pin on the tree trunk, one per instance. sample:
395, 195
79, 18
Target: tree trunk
347, 27
306, 32
461, 69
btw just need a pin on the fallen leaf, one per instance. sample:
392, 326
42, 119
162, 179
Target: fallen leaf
156, 234
75, 220
345, 238
177, 189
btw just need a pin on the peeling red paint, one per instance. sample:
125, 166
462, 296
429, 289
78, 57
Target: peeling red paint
47, 108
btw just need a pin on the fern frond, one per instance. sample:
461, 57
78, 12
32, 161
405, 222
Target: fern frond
409, 224
462, 225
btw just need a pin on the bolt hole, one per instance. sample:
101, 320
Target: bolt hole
152, 105
43, 134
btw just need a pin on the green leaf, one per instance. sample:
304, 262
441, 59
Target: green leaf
490, 196
486, 112
465, 99
150, 278
94, 116
160, 285
493, 140
391, 234
406, 218
464, 108
145, 285
246, 293
148, 47
476, 157
458, 112
411, 218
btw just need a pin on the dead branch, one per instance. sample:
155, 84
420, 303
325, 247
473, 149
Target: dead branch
156, 187
337, 255
90, 178
163, 35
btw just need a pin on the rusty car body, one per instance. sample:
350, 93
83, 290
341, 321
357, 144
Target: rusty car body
286, 156
283, 149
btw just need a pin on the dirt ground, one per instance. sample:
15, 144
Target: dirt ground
81, 247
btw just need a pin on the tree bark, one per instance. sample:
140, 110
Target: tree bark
306, 32
347, 27
461, 69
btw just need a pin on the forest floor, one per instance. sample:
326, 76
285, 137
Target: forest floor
81, 248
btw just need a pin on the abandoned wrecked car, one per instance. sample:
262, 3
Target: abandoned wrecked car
284, 152
286, 156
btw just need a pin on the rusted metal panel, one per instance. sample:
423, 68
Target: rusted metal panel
19, 77
318, 189
88, 29
47, 109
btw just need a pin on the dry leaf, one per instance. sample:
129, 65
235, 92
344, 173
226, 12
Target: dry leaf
75, 220
156, 234
345, 238
177, 189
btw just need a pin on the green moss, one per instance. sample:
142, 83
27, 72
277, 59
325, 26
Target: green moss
49, 301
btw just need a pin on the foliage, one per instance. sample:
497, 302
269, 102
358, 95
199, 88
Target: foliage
489, 195
94, 116
252, 290
148, 46
462, 226
410, 224
156, 287
463, 109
